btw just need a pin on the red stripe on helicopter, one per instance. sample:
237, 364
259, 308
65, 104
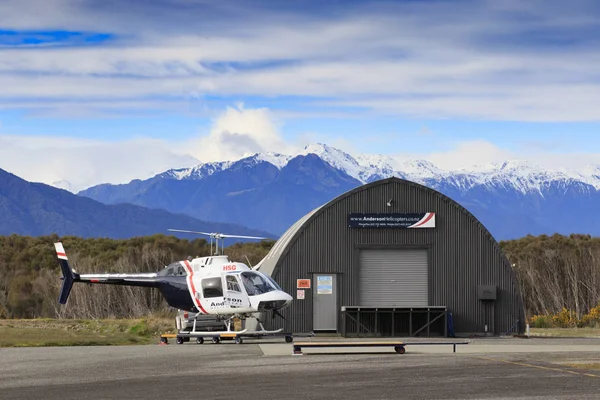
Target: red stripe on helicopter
191, 283
61, 254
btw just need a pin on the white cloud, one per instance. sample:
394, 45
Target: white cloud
77, 164
473, 155
83, 163
468, 154
531, 61
237, 132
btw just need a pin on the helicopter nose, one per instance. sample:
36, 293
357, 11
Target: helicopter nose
283, 300
272, 305
288, 300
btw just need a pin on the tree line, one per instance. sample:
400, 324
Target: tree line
557, 273
554, 273
30, 273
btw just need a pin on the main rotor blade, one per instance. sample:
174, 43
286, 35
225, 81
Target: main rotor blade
241, 237
184, 231
218, 235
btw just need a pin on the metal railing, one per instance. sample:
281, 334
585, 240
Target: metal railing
358, 321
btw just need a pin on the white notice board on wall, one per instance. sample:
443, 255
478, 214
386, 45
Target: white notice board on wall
324, 284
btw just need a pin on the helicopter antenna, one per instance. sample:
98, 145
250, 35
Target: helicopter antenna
217, 236
249, 263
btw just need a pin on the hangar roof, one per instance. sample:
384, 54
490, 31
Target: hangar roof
267, 265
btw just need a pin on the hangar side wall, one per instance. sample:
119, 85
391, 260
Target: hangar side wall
462, 256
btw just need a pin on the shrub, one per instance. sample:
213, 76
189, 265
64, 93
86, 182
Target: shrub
591, 319
566, 319
541, 321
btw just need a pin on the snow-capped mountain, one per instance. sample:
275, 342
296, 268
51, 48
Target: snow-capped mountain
512, 198
196, 172
518, 174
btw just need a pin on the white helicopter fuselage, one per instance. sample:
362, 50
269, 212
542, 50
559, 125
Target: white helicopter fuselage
212, 285
219, 286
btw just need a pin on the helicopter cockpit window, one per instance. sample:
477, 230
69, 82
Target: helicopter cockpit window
273, 283
212, 287
255, 283
232, 283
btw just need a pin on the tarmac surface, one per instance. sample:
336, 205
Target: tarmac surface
266, 369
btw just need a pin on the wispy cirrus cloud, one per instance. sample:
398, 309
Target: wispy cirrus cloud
510, 60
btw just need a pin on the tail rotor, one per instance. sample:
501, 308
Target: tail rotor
68, 276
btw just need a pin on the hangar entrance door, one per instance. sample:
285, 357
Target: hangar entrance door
325, 315
393, 278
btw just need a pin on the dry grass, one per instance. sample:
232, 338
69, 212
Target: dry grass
55, 332
595, 366
566, 332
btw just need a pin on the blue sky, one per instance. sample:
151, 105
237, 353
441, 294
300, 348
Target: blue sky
182, 81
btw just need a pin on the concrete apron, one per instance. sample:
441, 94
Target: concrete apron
475, 347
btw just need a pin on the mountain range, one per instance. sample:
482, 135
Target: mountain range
270, 191
36, 209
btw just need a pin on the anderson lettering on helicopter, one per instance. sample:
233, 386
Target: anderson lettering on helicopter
210, 285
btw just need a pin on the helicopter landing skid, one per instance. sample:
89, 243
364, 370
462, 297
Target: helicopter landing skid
216, 336
261, 332
213, 333
185, 336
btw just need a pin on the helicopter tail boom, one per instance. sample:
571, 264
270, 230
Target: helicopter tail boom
69, 277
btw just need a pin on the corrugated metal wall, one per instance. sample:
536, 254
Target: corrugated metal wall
462, 256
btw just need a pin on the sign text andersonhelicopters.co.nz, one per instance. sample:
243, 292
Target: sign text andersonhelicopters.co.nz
380, 220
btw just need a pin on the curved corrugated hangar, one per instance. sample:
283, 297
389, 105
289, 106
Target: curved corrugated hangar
394, 258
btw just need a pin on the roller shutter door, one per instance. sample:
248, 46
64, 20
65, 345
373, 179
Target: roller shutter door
393, 278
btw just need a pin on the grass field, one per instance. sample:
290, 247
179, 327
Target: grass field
80, 332
54, 332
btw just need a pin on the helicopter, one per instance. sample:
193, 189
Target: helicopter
210, 285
